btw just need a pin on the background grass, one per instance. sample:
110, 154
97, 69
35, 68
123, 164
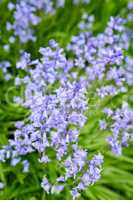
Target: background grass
117, 174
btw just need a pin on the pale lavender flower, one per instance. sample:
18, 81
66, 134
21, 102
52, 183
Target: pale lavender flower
60, 3
75, 194
108, 90
60, 179
25, 166
2, 155
24, 61
4, 66
2, 185
6, 47
44, 159
46, 185
18, 100
12, 39
86, 22
7, 76
57, 189
11, 6
102, 124
130, 5
15, 161
121, 127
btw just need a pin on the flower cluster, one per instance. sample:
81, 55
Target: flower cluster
121, 127
53, 67
130, 13
86, 23
56, 97
4, 66
101, 56
25, 16
102, 59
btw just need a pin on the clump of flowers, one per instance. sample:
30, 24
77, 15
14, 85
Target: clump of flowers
102, 58
120, 123
57, 101
4, 66
130, 11
56, 96
86, 23
25, 16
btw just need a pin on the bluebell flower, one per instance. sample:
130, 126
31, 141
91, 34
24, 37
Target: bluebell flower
25, 166
121, 126
2, 185
46, 185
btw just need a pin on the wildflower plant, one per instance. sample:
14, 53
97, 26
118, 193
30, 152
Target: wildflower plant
73, 102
